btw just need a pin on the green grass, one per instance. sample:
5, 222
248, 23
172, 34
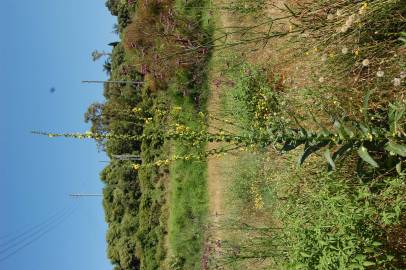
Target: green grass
188, 187
188, 205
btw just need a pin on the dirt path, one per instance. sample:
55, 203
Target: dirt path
216, 167
220, 169
215, 164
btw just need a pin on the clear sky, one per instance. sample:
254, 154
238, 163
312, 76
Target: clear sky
45, 44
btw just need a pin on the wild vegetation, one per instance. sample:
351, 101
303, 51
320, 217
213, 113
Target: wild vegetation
312, 112
344, 207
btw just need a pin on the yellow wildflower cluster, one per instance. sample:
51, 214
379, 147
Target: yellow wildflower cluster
263, 111
181, 129
161, 162
363, 8
258, 200
165, 162
136, 167
159, 112
137, 110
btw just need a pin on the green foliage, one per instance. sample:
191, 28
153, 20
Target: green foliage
403, 38
338, 225
123, 9
120, 201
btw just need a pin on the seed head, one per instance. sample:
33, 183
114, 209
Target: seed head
397, 82
344, 29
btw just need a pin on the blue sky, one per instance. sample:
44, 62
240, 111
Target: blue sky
47, 43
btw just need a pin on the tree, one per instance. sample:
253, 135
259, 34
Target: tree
96, 55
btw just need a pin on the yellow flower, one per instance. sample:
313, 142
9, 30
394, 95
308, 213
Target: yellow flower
363, 8
136, 110
136, 167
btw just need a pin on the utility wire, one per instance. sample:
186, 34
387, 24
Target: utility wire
32, 228
36, 237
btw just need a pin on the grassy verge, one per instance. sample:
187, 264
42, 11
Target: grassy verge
188, 199
188, 187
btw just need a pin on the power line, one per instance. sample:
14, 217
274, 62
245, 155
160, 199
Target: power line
85, 195
33, 228
38, 236
133, 82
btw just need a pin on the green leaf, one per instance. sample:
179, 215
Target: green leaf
365, 130
365, 105
403, 38
368, 263
304, 255
327, 155
348, 131
396, 112
309, 150
343, 131
377, 244
363, 153
399, 168
398, 149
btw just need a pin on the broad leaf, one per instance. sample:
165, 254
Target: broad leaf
399, 168
309, 150
368, 263
398, 149
363, 153
395, 113
343, 131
